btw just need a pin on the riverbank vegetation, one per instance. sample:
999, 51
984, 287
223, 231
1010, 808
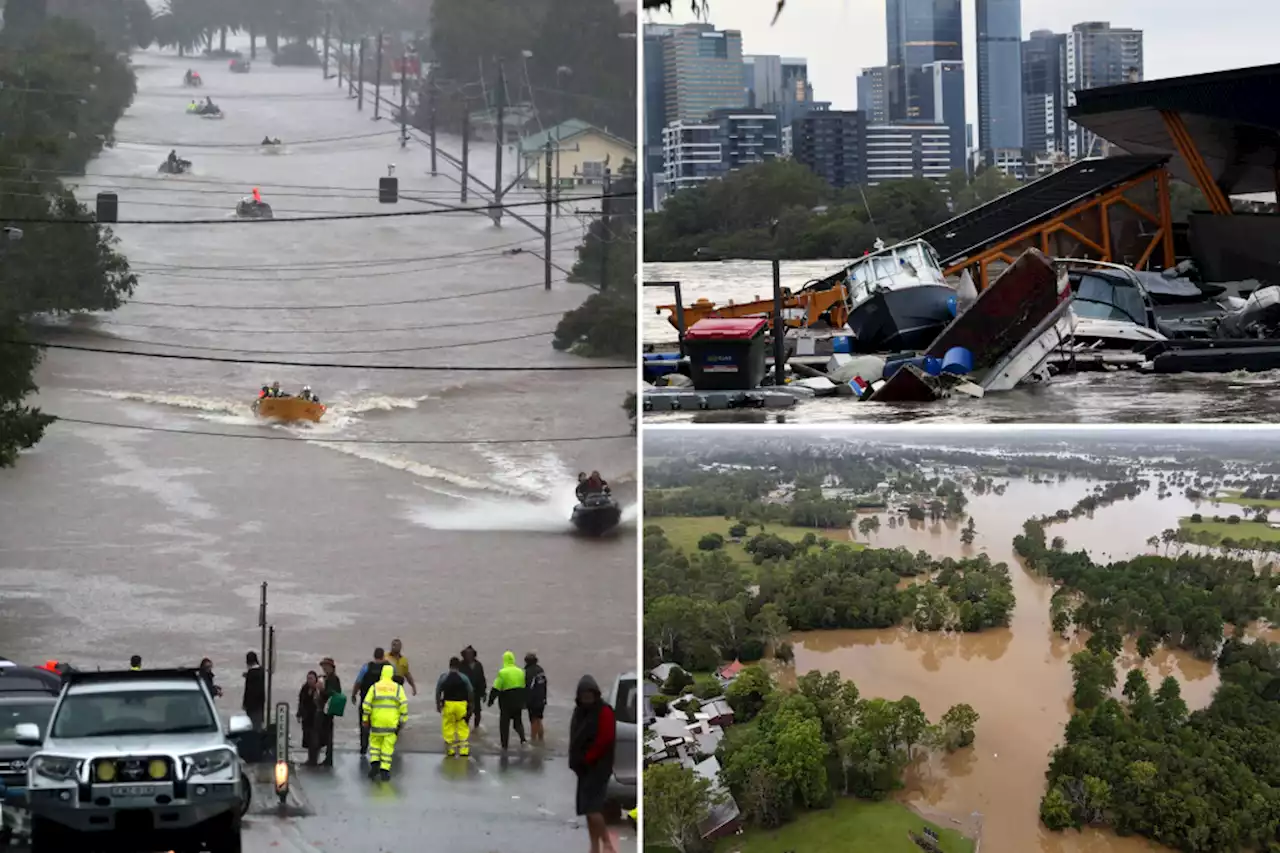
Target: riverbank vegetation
58, 266
699, 610
1141, 764
801, 749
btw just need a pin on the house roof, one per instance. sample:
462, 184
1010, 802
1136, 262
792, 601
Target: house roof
724, 811
565, 131
730, 670
662, 671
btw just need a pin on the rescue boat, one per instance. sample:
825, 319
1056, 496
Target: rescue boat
288, 409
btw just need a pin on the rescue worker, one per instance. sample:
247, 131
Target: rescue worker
275, 389
454, 697
257, 196
535, 679
596, 484
173, 160
193, 106
135, 663
384, 710
365, 679
265, 392
509, 692
581, 490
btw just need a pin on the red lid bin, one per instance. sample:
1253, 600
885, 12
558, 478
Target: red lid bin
726, 354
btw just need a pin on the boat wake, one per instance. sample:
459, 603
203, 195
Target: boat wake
511, 516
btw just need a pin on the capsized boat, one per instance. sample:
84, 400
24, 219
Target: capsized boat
898, 298
596, 514
288, 409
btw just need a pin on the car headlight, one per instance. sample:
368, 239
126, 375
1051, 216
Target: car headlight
208, 763
56, 768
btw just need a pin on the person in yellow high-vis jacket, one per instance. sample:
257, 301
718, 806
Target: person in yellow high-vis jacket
384, 711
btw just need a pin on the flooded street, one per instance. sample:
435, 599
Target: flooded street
1018, 679
392, 517
1127, 397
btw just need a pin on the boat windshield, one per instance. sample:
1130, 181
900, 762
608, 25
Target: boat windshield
1100, 298
909, 264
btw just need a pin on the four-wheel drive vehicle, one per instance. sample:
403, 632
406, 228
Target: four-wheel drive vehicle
624, 698
134, 757
18, 706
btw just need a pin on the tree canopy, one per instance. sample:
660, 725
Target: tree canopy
61, 93
781, 207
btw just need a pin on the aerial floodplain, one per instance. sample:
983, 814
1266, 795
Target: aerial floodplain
949, 639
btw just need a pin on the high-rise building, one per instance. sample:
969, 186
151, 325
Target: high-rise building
999, 24
897, 151
699, 151
873, 94
703, 72
919, 32
763, 78
942, 102
1044, 93
654, 116
780, 85
1098, 55
831, 143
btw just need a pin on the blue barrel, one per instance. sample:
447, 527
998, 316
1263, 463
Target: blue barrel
953, 305
958, 361
930, 365
661, 356
842, 344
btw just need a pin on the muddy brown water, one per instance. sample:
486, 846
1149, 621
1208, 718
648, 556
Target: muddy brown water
1018, 678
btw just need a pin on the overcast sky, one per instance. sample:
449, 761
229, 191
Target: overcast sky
841, 37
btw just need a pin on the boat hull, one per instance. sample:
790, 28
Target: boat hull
904, 318
288, 409
596, 518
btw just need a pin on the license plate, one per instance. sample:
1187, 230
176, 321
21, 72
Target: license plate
134, 790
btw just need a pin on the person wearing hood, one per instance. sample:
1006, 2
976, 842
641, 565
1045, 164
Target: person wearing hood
509, 692
535, 679
384, 710
474, 671
592, 737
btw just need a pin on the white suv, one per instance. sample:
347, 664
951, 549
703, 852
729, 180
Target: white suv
140, 756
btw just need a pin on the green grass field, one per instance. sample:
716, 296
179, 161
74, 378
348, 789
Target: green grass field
1243, 530
850, 826
684, 531
1237, 497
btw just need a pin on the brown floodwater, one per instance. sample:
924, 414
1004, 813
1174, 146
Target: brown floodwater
1017, 678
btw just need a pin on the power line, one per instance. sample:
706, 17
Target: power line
253, 331
475, 368
487, 208
423, 348
427, 441
393, 302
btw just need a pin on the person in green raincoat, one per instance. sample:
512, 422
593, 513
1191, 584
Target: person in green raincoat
509, 692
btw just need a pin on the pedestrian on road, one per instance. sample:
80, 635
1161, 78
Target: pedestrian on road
135, 663
384, 710
474, 671
454, 696
509, 691
401, 663
333, 703
365, 679
535, 679
255, 691
592, 735
308, 708
206, 673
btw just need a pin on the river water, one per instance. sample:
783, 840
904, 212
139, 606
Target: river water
1018, 679
1126, 397
120, 541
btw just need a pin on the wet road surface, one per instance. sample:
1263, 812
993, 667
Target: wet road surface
432, 803
122, 541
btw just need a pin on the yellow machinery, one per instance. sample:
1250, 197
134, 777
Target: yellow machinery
801, 310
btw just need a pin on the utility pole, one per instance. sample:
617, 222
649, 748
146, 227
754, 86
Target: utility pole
360, 86
466, 148
404, 88
502, 134
432, 129
377, 80
324, 57
546, 224
606, 235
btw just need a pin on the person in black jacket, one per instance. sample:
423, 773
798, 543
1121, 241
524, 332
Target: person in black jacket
474, 671
367, 677
255, 691
330, 686
535, 680
206, 672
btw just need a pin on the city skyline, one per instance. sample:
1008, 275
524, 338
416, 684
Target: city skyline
1175, 36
